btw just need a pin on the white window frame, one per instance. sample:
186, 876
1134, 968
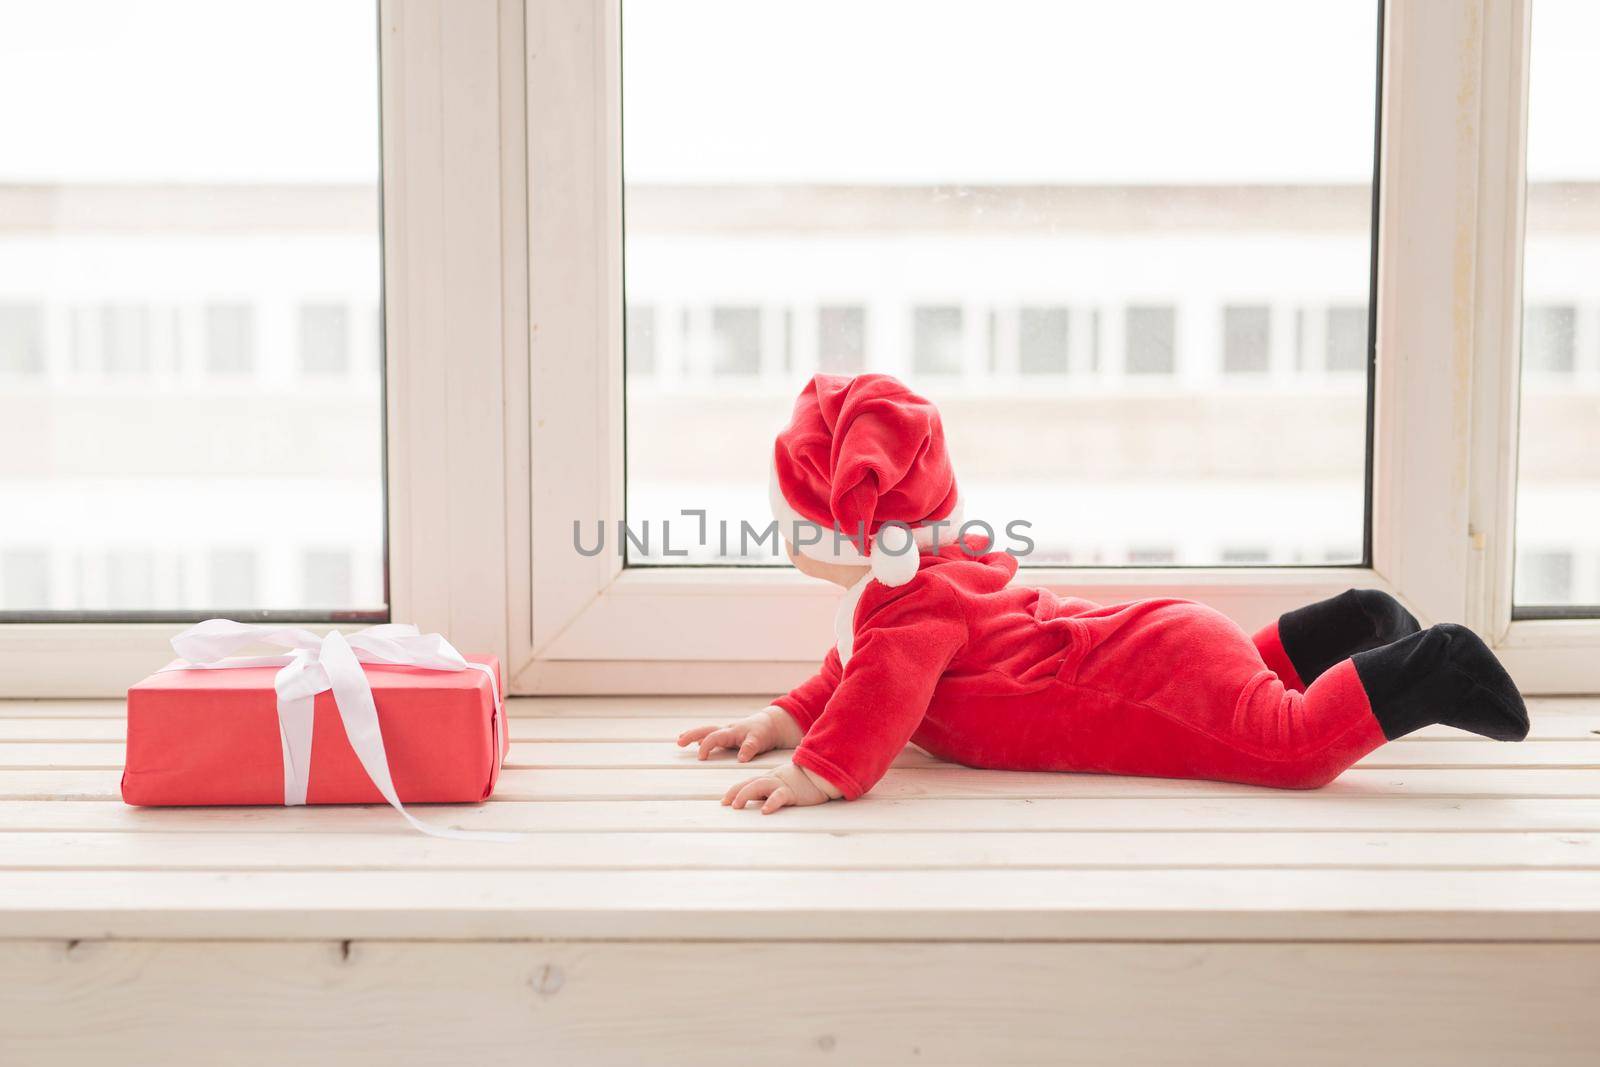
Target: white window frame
455, 349
1450, 196
503, 241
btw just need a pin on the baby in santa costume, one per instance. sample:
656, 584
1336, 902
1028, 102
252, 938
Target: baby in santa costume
935, 646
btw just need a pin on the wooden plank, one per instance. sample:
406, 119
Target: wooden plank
695, 708
395, 1004
1265, 811
723, 706
581, 707
691, 709
661, 754
662, 728
749, 850
806, 905
50, 729
648, 719
1566, 716
61, 709
943, 782
657, 728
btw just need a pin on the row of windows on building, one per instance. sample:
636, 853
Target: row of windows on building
1141, 554
225, 339
130, 339
946, 340
34, 579
1550, 576
747, 341
232, 578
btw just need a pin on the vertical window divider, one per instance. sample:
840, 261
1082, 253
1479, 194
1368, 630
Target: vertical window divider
1544, 655
1497, 329
452, 134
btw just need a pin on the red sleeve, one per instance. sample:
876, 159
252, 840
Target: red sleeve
902, 647
805, 701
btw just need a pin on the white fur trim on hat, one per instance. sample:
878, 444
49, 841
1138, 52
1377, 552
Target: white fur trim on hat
834, 547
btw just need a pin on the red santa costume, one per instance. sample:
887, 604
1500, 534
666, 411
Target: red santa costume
935, 646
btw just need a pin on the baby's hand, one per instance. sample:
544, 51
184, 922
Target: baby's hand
788, 786
769, 728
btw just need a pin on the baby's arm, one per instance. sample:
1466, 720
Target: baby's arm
779, 725
902, 650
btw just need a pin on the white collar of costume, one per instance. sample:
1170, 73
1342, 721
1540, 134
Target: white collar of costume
844, 620
834, 546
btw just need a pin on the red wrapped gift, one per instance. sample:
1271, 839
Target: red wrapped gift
383, 714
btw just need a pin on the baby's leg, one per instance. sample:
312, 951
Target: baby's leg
1443, 675
1304, 643
1178, 691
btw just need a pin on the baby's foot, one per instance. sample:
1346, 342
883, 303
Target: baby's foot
1319, 635
1447, 675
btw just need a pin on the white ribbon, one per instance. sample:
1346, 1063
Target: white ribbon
312, 665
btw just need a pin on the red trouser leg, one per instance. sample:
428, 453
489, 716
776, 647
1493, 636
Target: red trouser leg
1296, 740
1176, 690
1277, 660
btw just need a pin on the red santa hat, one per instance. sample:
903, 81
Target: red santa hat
863, 470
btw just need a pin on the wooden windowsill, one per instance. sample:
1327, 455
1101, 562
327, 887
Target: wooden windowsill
1445, 896
1441, 837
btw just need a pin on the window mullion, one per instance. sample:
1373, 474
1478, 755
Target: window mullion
1497, 331
1428, 254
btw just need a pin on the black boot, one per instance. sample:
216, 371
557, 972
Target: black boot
1319, 635
1445, 674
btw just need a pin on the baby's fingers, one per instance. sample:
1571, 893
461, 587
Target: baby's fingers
727, 737
733, 790
780, 797
754, 744
754, 789
689, 737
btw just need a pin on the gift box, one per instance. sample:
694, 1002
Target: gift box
381, 715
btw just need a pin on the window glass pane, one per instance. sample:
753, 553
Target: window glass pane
235, 573
1347, 339
1246, 340
841, 339
230, 338
1042, 340
21, 339
735, 341
324, 339
25, 578
1557, 567
641, 340
327, 577
1046, 242
1152, 337
190, 375
1549, 339
936, 340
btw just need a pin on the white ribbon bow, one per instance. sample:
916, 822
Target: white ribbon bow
313, 665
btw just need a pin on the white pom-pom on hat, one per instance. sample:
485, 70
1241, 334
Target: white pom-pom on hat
895, 555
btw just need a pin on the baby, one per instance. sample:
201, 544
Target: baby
935, 646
